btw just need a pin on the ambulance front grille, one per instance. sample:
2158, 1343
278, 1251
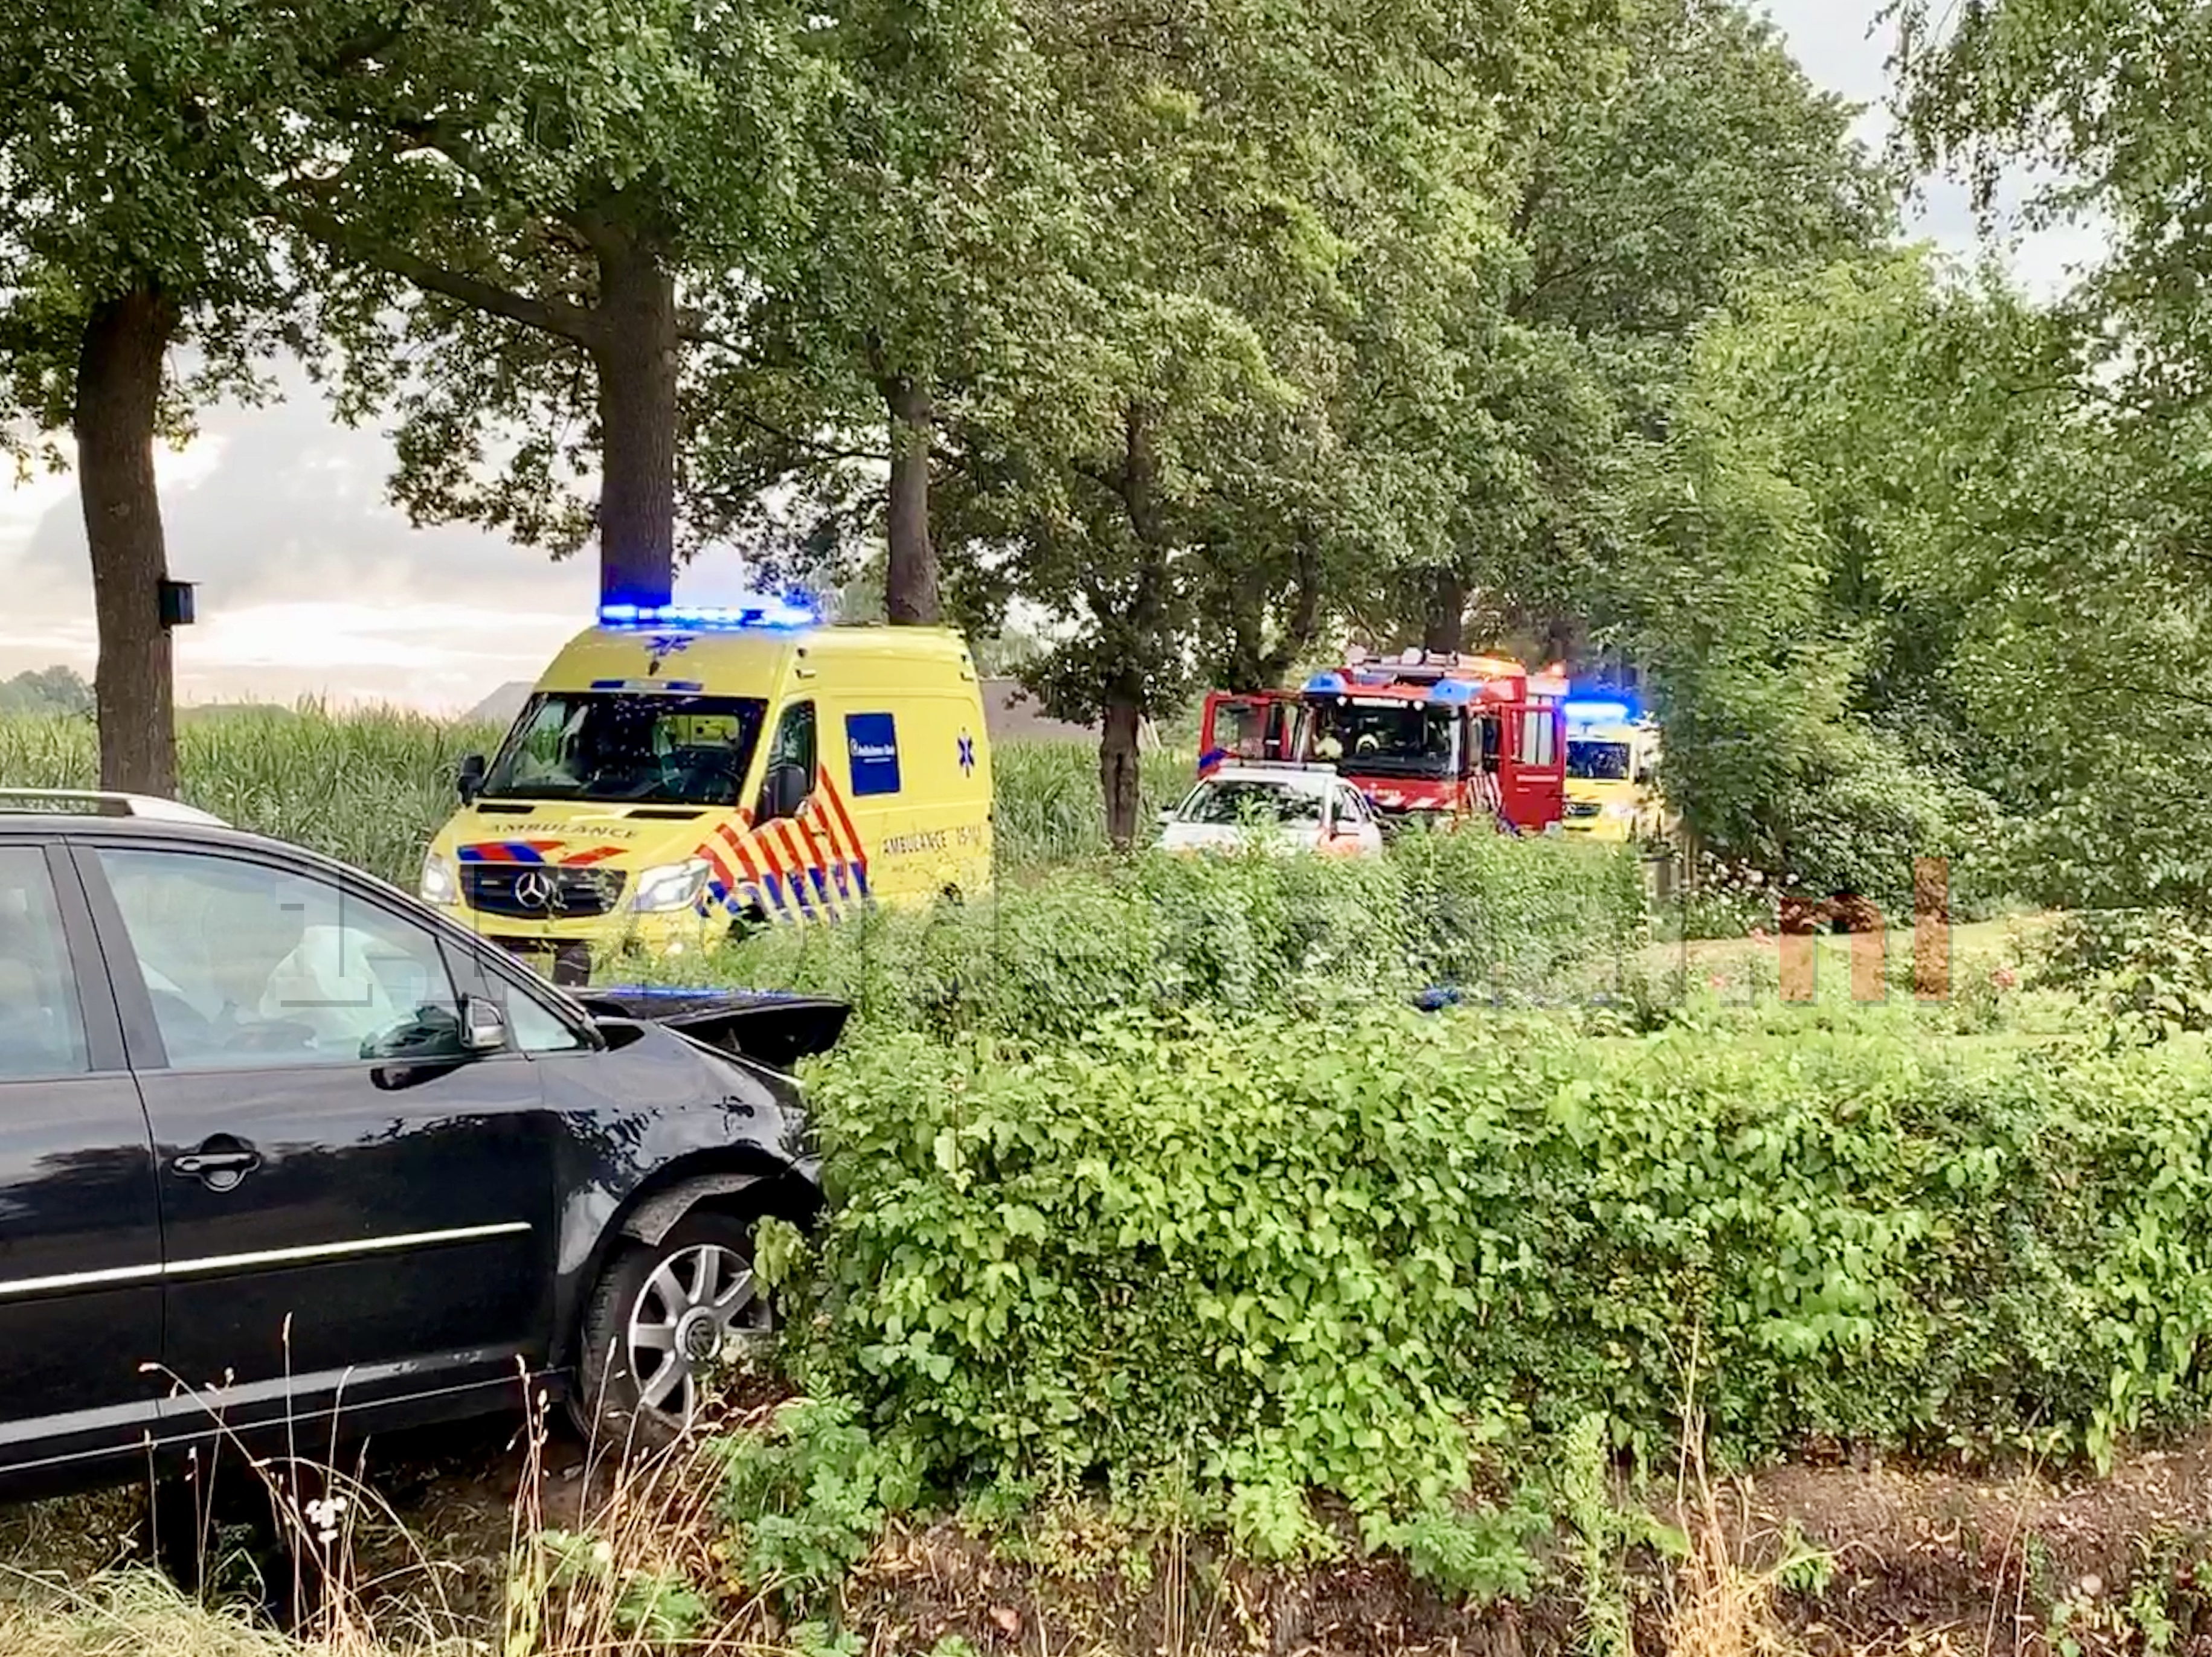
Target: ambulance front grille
532, 891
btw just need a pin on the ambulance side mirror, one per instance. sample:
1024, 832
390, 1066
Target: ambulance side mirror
784, 791
469, 778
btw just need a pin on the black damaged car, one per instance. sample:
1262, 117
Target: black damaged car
284, 1154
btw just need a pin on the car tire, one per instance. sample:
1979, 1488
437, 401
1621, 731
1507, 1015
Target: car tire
656, 1331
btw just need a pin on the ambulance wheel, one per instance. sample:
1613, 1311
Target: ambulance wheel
663, 1322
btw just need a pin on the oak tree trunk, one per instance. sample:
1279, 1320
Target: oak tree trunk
1118, 762
1123, 704
1443, 620
1249, 661
910, 595
637, 356
118, 392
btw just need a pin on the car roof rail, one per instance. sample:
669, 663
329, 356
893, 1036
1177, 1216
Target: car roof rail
101, 803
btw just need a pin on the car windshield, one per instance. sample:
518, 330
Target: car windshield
636, 749
1598, 762
1236, 800
1394, 738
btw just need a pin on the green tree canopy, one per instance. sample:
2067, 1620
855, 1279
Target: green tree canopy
139, 142
563, 205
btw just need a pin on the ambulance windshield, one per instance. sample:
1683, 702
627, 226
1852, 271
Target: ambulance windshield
1592, 761
636, 749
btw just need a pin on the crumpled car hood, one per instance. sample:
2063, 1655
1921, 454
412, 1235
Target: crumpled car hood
770, 1027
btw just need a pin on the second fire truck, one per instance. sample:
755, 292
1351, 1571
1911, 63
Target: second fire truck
1425, 736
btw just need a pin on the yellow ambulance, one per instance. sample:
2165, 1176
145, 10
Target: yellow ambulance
1612, 756
678, 773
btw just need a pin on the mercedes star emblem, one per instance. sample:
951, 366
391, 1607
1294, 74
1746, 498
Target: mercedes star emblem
534, 890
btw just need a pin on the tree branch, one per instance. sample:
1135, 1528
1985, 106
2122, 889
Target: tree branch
819, 450
693, 328
556, 316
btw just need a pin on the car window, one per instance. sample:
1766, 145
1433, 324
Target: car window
41, 1025
1536, 744
793, 745
532, 1028
1591, 761
794, 738
1350, 806
250, 965
1236, 800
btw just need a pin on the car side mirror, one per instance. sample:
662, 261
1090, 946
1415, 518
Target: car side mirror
469, 778
483, 1026
1167, 816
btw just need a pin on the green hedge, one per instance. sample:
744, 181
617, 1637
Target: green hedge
1045, 956
1281, 1255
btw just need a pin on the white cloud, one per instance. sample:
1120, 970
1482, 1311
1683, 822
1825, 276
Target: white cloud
1845, 47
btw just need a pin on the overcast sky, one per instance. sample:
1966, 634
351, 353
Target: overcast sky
310, 583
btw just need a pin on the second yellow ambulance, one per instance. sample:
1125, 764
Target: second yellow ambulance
1611, 759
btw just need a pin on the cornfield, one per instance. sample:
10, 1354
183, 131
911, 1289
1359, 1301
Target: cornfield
370, 788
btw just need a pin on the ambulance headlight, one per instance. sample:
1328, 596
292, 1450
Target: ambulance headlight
671, 885
439, 884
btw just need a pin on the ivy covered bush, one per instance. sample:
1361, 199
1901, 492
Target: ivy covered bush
1281, 1255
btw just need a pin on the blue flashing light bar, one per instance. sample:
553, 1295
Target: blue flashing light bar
769, 614
1591, 713
1327, 684
1451, 691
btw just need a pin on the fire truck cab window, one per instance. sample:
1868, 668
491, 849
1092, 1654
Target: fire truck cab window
1399, 738
1536, 746
1241, 728
1489, 722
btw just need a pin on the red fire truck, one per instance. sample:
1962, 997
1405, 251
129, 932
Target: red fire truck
1422, 735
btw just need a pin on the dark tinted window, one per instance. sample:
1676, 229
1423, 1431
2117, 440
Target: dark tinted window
41, 1026
794, 739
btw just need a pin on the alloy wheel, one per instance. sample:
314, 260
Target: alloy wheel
699, 1308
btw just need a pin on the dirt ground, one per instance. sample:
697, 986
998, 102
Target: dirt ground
1887, 1560
1890, 1559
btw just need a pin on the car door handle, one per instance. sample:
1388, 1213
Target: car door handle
218, 1169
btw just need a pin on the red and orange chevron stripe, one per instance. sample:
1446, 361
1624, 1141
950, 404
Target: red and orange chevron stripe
813, 866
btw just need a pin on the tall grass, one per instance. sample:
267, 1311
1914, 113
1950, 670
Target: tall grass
1047, 801
633, 1573
370, 788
